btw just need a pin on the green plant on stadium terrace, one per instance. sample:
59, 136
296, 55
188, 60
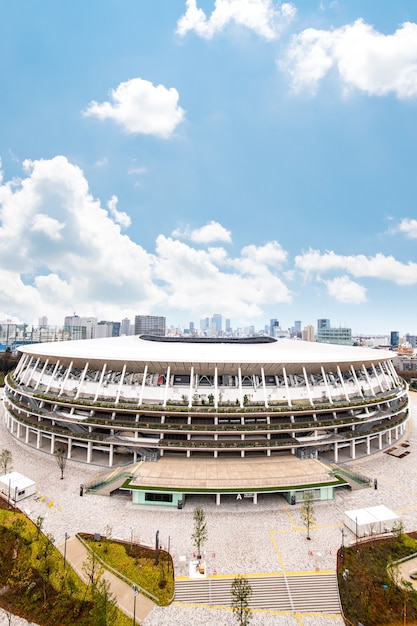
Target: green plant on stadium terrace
37, 585
138, 565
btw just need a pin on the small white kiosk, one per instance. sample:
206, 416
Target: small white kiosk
16, 486
374, 520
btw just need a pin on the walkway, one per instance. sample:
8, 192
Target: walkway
76, 555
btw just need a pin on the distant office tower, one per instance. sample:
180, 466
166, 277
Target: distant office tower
125, 326
412, 340
80, 327
217, 323
228, 326
297, 326
204, 324
150, 325
322, 323
43, 321
192, 328
308, 333
273, 327
395, 339
107, 329
341, 336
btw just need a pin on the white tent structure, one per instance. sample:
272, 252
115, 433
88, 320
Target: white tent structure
16, 486
374, 520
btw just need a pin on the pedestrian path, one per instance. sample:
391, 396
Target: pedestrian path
76, 554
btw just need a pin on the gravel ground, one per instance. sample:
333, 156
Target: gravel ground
242, 537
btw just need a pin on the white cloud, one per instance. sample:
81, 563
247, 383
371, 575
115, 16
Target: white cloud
47, 225
120, 217
264, 17
408, 227
345, 290
364, 58
379, 266
141, 108
201, 280
213, 231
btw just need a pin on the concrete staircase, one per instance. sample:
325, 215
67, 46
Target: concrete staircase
301, 593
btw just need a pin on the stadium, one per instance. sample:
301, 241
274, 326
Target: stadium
220, 417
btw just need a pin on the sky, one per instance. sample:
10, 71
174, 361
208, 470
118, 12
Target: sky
251, 158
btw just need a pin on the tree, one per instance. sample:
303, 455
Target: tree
104, 609
61, 458
199, 535
6, 461
241, 592
307, 511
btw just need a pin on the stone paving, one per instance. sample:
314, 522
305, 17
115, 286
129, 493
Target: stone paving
242, 537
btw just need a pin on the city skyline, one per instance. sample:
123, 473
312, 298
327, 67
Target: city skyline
252, 158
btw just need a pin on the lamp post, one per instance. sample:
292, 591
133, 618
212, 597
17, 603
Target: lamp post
135, 593
66, 536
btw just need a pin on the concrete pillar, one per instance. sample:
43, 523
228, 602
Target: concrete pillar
218, 499
89, 451
336, 453
353, 449
255, 498
38, 439
111, 451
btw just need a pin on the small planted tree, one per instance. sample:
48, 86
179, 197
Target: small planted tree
104, 609
241, 592
61, 458
6, 461
199, 535
307, 512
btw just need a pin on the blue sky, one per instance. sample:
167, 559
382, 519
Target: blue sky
183, 158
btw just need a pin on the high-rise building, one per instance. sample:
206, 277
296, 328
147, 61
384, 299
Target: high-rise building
308, 333
125, 326
107, 329
43, 321
323, 323
297, 326
273, 327
217, 323
150, 325
80, 327
228, 326
341, 336
395, 339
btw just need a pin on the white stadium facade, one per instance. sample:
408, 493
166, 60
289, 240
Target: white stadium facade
208, 416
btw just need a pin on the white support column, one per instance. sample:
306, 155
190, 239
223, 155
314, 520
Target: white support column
380, 441
368, 379
20, 365
38, 440
381, 389
352, 449
352, 369
336, 453
190, 398
142, 389
218, 499
52, 443
326, 384
239, 375
33, 370
310, 397
168, 375
119, 389
26, 377
111, 455
80, 384
368, 445
287, 387
339, 373
100, 382
216, 389
69, 447
394, 374
384, 374
52, 377
89, 451
264, 387
27, 434
65, 378
45, 365
255, 498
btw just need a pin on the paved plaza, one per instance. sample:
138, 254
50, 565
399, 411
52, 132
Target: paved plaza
243, 538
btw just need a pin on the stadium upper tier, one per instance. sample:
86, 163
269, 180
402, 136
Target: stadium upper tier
137, 397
